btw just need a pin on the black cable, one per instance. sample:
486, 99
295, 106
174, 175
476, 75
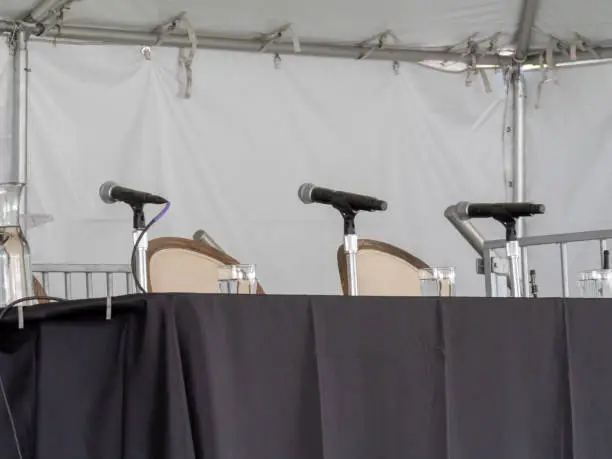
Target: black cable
11, 416
28, 298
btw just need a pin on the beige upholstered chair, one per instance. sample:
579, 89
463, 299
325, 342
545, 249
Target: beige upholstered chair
185, 265
39, 290
383, 270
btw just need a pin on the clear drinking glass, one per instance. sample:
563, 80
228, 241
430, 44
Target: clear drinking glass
237, 279
437, 281
15, 267
596, 283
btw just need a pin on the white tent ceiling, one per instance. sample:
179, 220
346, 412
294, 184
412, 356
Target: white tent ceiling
420, 24
416, 22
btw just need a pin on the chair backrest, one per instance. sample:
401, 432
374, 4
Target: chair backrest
383, 270
39, 290
185, 265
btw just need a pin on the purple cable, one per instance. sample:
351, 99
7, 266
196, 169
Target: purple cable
162, 212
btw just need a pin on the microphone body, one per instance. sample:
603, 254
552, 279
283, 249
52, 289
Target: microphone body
205, 238
110, 193
308, 193
502, 210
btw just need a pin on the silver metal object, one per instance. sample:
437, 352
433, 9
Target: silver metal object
564, 273
513, 250
141, 259
526, 23
20, 117
465, 228
42, 10
67, 286
350, 250
530, 241
15, 265
550, 239
125, 36
109, 295
518, 165
202, 236
88, 284
70, 276
497, 267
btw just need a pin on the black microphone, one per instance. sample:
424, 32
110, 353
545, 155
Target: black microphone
110, 193
503, 210
308, 193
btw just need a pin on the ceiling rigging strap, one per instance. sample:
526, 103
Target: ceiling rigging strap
581, 43
548, 68
271, 38
472, 68
186, 56
377, 42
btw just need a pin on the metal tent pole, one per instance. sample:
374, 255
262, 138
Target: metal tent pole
518, 162
42, 10
19, 128
119, 36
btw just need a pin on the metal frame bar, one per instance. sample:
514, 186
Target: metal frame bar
19, 127
466, 229
81, 268
562, 240
319, 48
247, 44
89, 270
518, 163
522, 36
72, 33
41, 11
550, 239
564, 269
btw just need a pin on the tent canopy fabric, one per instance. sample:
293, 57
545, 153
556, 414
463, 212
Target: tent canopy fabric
417, 24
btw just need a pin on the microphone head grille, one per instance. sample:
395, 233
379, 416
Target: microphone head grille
304, 193
105, 192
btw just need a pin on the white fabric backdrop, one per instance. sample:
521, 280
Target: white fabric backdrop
232, 157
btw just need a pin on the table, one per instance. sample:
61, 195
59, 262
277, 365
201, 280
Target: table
186, 376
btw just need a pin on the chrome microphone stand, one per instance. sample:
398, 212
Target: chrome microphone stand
141, 270
513, 253
351, 243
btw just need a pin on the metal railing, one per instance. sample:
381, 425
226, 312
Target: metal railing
562, 240
91, 275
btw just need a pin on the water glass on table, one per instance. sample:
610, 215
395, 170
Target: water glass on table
437, 281
237, 279
596, 283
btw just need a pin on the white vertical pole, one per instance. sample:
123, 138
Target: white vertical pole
518, 162
20, 116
